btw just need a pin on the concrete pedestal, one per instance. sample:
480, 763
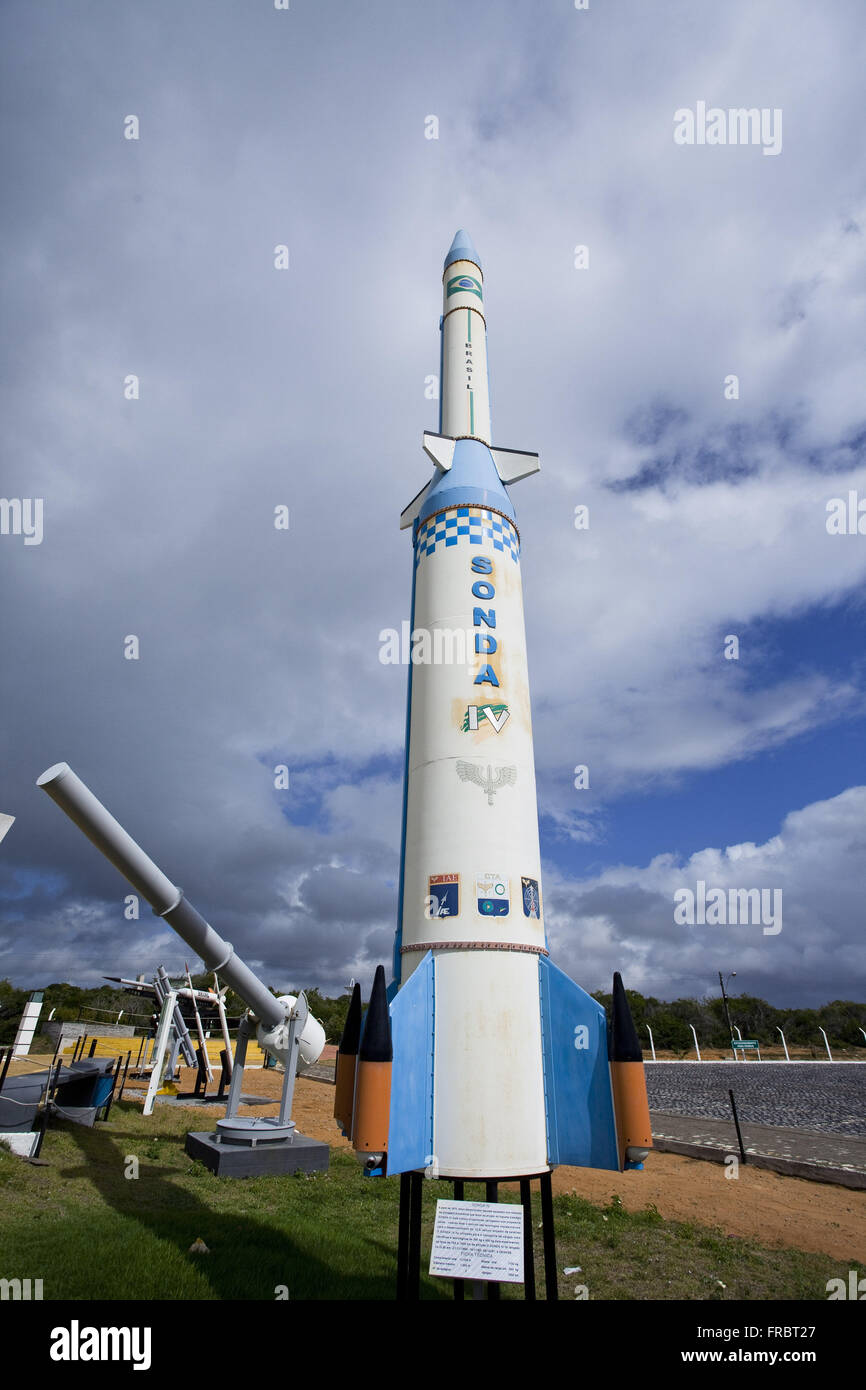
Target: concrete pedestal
245, 1161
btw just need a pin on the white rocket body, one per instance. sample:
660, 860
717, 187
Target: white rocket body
488, 1035
500, 1061
471, 884
464, 388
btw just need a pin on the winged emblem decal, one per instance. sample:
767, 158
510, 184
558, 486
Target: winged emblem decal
496, 779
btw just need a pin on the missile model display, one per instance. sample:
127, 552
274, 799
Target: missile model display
489, 1062
282, 1025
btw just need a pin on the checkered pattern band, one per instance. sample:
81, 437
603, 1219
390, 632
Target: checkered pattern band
472, 525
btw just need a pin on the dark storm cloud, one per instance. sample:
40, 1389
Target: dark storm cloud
306, 388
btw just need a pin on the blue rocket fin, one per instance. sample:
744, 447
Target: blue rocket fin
578, 1099
410, 1126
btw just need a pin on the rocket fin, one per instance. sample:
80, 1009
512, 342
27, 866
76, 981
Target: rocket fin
514, 464
410, 1134
439, 448
408, 516
578, 1100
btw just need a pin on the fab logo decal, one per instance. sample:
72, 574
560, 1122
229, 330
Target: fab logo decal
495, 779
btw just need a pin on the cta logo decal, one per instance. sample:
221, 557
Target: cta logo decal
492, 714
531, 898
463, 284
492, 894
443, 895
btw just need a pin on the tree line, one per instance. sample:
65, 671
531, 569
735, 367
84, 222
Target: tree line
755, 1018
670, 1022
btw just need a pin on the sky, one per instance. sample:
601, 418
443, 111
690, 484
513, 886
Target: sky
694, 377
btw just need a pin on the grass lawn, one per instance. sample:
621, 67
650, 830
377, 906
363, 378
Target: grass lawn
91, 1232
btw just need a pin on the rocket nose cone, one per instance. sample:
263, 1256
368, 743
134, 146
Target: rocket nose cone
462, 249
352, 1030
376, 1037
624, 1043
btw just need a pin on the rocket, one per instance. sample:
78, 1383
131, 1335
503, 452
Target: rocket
347, 1064
499, 1065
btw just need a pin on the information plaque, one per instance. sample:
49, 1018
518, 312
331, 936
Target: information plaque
478, 1240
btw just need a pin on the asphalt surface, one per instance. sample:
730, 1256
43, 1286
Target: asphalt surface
799, 1151
825, 1097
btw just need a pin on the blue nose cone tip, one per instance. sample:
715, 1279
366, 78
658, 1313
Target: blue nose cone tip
461, 249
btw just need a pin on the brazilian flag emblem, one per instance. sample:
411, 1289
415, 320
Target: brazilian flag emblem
463, 284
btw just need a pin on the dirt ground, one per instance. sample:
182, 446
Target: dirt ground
763, 1206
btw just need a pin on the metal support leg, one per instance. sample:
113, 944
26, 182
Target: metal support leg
234, 1099
459, 1284
403, 1241
225, 1073
115, 1073
491, 1194
551, 1286
415, 1189
288, 1091
122, 1079
53, 1081
528, 1254
200, 1088
158, 1069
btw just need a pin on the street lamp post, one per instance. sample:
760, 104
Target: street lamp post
652, 1044
727, 1011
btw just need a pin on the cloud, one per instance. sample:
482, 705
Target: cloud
623, 918
306, 389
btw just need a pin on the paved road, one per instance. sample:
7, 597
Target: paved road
843, 1153
825, 1097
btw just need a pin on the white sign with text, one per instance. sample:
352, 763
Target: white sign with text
478, 1240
